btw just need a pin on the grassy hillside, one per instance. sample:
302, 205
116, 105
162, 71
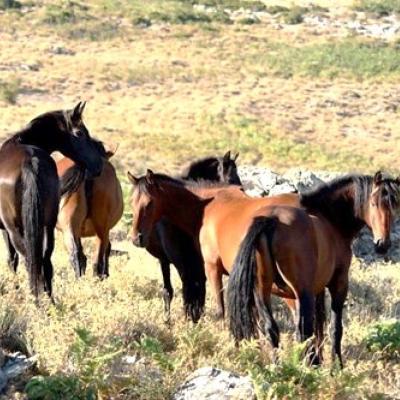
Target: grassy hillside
169, 81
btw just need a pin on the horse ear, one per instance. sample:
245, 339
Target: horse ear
227, 156
82, 107
149, 177
77, 112
236, 157
132, 178
109, 154
378, 177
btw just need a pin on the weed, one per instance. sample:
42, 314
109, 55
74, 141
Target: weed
379, 7
10, 4
9, 90
385, 339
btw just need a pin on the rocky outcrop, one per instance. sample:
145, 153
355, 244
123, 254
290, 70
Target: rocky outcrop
215, 384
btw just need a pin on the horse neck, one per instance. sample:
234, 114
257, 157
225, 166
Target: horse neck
33, 135
339, 210
183, 208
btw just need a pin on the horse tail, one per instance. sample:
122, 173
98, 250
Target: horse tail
243, 300
71, 180
32, 222
194, 289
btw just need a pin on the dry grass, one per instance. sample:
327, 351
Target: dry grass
112, 312
167, 94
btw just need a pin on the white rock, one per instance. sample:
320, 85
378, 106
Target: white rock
215, 384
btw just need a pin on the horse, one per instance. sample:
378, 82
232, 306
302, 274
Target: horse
250, 238
29, 188
89, 207
171, 245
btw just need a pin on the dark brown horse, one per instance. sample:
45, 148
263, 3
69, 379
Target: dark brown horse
29, 189
171, 245
89, 207
252, 238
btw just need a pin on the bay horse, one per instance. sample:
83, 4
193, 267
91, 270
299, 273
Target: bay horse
90, 206
170, 245
29, 188
250, 238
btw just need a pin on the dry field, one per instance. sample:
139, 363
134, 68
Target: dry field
167, 83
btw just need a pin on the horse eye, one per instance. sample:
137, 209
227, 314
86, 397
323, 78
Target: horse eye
384, 192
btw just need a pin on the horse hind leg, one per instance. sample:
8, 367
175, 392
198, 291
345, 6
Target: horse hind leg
47, 264
320, 318
76, 256
100, 265
12, 256
305, 323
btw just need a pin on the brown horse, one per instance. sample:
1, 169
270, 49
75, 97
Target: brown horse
89, 207
29, 189
171, 245
273, 247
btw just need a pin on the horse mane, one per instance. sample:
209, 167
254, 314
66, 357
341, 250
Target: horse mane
76, 174
178, 182
198, 167
343, 199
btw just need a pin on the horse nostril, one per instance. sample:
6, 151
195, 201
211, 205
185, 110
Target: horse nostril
382, 246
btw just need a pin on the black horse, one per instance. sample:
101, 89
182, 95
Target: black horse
173, 246
29, 187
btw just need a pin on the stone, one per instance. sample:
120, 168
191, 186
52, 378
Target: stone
17, 364
210, 383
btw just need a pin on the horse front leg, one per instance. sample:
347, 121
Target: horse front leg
338, 290
168, 291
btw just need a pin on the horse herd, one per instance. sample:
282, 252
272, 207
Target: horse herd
292, 245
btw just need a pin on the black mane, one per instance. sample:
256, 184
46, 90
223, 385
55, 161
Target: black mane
75, 175
141, 183
203, 169
342, 201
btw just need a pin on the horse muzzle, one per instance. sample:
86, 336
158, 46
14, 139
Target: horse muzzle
382, 246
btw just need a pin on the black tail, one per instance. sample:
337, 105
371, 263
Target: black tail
194, 288
242, 297
32, 222
71, 180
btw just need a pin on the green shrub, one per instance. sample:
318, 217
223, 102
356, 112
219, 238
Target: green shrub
290, 378
9, 90
385, 339
67, 12
9, 4
89, 373
351, 58
380, 7
295, 15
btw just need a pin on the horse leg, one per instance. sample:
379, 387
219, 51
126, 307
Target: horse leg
268, 325
74, 246
320, 318
303, 319
99, 267
82, 259
338, 290
214, 275
12, 257
168, 291
305, 323
107, 258
47, 264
